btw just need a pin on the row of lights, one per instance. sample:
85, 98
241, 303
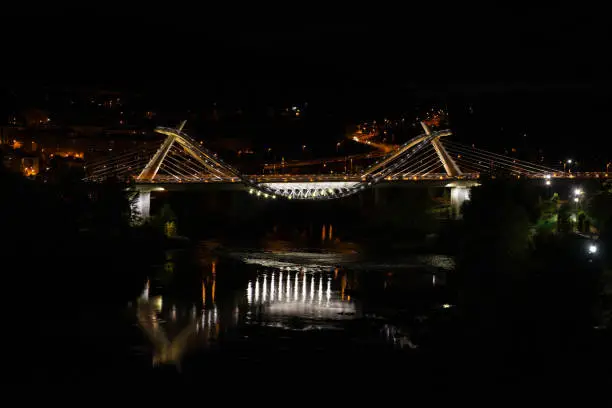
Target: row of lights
259, 194
315, 193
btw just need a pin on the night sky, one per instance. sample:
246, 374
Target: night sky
502, 73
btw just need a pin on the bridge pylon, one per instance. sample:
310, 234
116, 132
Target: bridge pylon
449, 164
197, 162
152, 167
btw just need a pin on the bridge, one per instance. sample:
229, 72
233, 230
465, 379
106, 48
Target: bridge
430, 157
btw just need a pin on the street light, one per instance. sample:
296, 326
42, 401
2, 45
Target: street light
578, 191
568, 161
592, 249
548, 182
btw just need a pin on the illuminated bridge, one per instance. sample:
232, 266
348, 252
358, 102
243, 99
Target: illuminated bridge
181, 161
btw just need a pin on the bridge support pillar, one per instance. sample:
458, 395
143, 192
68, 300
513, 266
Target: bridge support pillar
142, 206
458, 196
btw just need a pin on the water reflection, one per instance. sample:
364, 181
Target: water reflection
298, 293
307, 295
289, 299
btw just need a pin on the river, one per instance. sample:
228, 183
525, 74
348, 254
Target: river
278, 300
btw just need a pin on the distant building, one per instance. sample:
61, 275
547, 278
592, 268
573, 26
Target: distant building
8, 134
30, 166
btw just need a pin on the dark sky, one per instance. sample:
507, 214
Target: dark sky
524, 69
310, 43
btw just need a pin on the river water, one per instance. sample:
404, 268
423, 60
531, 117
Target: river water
278, 300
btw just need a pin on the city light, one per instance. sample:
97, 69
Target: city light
592, 249
576, 199
578, 191
569, 161
548, 182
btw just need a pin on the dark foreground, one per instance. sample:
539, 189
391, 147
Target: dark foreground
388, 340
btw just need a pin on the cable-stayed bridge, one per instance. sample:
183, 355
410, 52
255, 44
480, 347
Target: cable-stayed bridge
430, 156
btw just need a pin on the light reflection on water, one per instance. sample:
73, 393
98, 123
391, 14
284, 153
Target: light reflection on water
290, 291
306, 295
289, 300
